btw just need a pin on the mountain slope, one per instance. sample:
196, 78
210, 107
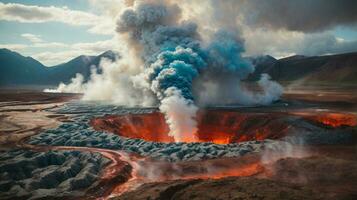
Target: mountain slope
17, 70
82, 64
331, 69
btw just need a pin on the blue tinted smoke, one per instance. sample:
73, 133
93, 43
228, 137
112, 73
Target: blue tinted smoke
177, 69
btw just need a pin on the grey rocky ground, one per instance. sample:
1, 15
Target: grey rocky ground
27, 174
78, 132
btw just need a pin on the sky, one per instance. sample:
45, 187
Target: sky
55, 31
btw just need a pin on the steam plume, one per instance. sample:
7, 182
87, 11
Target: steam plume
177, 69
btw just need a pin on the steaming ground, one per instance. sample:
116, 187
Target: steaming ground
75, 130
168, 64
177, 64
78, 132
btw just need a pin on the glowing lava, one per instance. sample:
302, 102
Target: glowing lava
217, 126
332, 119
147, 170
149, 126
337, 119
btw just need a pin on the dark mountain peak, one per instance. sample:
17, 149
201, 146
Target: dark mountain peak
294, 57
11, 57
81, 64
92, 60
111, 55
6, 52
263, 59
269, 57
17, 69
83, 59
326, 69
29, 58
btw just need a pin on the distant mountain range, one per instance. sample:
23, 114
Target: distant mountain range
17, 70
304, 70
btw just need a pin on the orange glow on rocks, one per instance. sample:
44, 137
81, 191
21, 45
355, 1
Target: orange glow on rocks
247, 170
223, 127
204, 169
149, 126
217, 126
337, 119
334, 120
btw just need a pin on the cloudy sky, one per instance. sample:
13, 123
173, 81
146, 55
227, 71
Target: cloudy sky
54, 31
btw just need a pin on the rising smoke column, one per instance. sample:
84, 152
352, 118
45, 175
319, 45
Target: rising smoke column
174, 57
171, 54
171, 80
177, 67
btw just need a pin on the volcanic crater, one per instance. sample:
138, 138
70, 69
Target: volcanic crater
218, 126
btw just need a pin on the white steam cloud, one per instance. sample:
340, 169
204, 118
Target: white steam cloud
167, 64
180, 115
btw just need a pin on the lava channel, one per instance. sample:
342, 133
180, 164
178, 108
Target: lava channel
117, 172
